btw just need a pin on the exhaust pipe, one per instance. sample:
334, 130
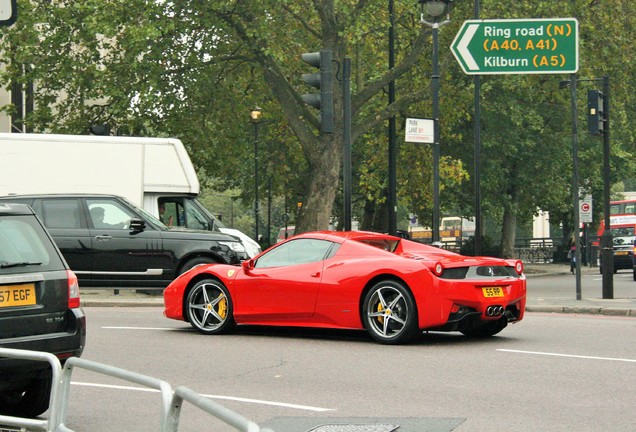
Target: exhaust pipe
494, 311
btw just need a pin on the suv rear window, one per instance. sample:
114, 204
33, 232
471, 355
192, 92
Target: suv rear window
24, 247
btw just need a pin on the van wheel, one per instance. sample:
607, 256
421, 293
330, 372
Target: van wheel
29, 402
194, 262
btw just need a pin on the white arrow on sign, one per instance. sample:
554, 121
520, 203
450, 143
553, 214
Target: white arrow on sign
462, 47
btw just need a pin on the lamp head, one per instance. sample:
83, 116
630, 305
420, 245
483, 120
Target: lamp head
256, 114
435, 8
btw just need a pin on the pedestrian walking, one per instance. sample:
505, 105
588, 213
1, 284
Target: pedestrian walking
572, 258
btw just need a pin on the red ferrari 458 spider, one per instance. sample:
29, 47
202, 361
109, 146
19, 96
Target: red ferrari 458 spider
392, 287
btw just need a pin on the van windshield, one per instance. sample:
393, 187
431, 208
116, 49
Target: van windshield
215, 221
622, 231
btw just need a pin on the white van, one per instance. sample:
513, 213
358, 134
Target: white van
146, 171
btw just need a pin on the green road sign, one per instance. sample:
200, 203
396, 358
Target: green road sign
522, 46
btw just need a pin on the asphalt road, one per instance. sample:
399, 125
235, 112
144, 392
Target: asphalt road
548, 372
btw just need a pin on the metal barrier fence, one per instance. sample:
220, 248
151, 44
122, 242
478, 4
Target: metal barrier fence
56, 368
536, 254
171, 400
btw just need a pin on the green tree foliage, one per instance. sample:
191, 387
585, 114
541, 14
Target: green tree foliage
194, 69
526, 125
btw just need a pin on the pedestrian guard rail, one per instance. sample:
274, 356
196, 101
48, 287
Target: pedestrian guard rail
171, 400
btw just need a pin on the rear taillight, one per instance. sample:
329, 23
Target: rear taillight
517, 264
438, 269
73, 290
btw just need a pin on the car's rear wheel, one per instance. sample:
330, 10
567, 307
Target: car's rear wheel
389, 313
30, 401
485, 329
209, 307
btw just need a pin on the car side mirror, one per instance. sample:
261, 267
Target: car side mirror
137, 224
248, 265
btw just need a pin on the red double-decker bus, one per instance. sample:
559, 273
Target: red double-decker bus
622, 217
623, 229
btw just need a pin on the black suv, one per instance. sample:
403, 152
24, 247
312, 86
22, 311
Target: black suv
39, 310
108, 241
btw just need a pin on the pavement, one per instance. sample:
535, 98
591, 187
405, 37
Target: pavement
558, 294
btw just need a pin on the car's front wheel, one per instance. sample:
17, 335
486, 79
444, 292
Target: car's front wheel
389, 313
209, 307
28, 402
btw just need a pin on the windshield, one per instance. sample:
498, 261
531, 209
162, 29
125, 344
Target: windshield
217, 223
622, 232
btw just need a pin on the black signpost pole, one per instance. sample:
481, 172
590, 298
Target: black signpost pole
607, 245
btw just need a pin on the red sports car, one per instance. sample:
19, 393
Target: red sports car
392, 287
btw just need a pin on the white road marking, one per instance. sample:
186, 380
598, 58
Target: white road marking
230, 398
568, 355
138, 328
262, 402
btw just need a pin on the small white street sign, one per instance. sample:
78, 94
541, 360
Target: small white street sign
585, 209
420, 131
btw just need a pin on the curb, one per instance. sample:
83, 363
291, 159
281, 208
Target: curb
544, 274
120, 303
583, 310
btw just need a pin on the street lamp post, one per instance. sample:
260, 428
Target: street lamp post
392, 192
435, 9
255, 117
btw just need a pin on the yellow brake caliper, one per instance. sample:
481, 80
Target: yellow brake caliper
222, 307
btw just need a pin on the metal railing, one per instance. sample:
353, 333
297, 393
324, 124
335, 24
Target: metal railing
72, 363
536, 254
171, 400
56, 371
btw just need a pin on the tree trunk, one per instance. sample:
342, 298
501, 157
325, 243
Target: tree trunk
368, 216
320, 194
508, 232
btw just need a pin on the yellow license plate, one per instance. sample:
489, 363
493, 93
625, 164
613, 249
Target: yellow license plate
621, 253
493, 292
17, 295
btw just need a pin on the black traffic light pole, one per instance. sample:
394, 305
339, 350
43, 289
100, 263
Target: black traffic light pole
607, 245
598, 123
324, 102
346, 138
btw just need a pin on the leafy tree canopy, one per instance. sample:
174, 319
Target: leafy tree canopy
194, 69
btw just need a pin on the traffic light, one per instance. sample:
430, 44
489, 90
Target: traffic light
595, 114
324, 82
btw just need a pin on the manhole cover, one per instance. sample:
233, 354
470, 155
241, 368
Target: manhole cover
363, 424
355, 428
